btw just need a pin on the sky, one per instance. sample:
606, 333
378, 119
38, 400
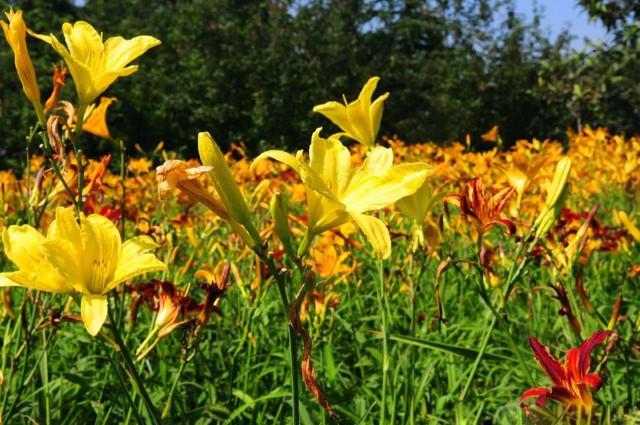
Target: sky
562, 14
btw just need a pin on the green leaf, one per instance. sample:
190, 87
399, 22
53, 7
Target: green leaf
469, 353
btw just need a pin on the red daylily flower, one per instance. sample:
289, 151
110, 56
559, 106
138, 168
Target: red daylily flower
572, 381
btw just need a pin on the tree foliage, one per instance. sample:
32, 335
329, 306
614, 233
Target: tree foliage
252, 70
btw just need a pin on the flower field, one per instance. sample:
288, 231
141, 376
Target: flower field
361, 280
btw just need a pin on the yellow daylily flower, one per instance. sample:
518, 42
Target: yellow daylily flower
522, 171
360, 119
95, 118
418, 207
16, 34
94, 64
24, 246
93, 260
337, 193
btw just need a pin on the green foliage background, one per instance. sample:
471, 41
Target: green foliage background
252, 70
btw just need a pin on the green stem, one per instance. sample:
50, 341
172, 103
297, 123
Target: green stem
21, 380
279, 277
385, 341
118, 371
123, 176
474, 368
44, 374
58, 173
167, 405
292, 355
153, 413
78, 153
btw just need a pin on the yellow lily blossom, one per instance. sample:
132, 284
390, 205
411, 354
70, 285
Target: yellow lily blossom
337, 193
94, 64
522, 171
88, 258
16, 34
360, 119
418, 207
24, 246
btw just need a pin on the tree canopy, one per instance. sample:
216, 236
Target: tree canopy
252, 70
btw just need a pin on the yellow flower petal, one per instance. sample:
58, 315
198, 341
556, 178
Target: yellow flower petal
101, 246
376, 232
119, 52
6, 281
68, 260
376, 113
336, 112
94, 310
379, 191
24, 246
331, 161
65, 226
419, 204
135, 259
280, 156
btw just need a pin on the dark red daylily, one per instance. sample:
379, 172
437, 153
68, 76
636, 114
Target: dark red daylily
572, 381
484, 207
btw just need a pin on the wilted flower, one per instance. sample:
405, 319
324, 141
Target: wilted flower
215, 285
360, 119
176, 174
170, 306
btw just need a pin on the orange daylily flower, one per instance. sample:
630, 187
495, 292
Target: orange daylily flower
491, 135
96, 118
483, 207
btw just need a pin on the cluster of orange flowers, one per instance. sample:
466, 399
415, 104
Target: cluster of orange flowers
524, 171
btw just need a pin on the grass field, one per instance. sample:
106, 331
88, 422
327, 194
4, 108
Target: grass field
319, 287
